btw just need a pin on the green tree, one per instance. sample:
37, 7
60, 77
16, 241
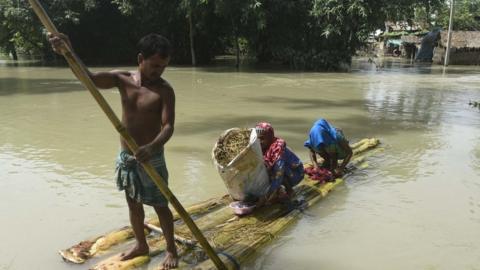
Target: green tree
305, 34
430, 8
18, 33
311, 34
20, 30
466, 16
236, 14
190, 7
192, 26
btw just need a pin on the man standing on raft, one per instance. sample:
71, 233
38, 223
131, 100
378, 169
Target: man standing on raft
148, 114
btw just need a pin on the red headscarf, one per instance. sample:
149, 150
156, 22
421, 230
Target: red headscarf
276, 149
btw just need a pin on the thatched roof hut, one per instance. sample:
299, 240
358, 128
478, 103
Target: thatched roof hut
461, 39
465, 48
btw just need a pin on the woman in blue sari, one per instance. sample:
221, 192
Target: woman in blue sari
283, 166
330, 144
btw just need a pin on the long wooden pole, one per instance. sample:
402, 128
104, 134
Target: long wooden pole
449, 39
81, 73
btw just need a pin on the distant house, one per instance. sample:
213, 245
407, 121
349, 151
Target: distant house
410, 45
465, 48
391, 42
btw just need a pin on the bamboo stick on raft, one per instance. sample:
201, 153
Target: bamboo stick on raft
87, 249
359, 143
180, 239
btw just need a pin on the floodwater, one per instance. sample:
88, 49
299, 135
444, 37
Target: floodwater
417, 205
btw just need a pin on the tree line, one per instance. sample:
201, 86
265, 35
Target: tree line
304, 34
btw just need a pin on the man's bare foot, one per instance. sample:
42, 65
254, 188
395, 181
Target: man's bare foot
134, 252
170, 261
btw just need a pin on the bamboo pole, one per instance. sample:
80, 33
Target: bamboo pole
177, 238
449, 39
82, 75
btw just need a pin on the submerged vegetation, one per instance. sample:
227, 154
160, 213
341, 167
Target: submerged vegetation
304, 34
475, 104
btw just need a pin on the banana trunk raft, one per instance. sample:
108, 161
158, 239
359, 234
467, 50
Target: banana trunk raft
235, 238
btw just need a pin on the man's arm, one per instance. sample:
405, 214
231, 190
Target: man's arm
168, 118
109, 79
104, 80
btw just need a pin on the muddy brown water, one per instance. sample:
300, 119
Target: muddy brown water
417, 205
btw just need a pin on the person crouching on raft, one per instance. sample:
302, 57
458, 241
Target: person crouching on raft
330, 143
283, 166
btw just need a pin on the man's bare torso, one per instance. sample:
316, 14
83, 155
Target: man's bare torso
142, 108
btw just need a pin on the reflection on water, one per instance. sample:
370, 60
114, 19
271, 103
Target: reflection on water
414, 207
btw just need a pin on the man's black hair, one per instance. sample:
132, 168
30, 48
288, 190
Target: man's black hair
152, 44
